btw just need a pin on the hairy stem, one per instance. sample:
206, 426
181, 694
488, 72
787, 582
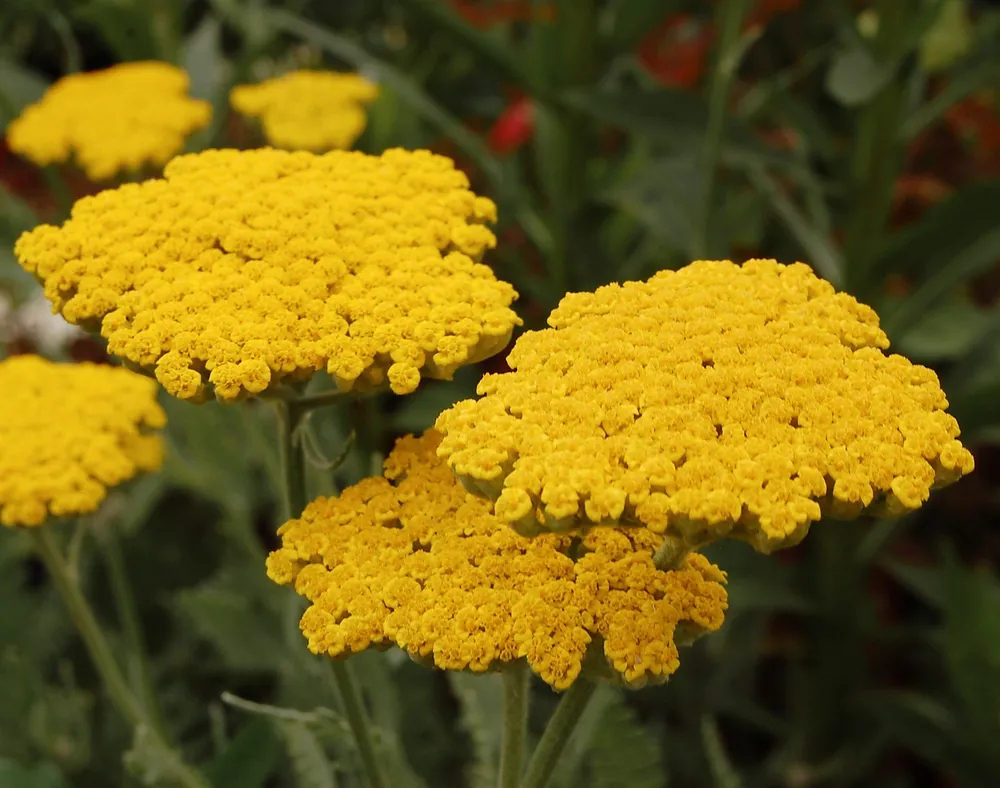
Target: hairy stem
100, 653
290, 415
557, 732
516, 686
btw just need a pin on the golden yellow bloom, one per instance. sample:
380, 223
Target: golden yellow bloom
116, 120
243, 269
308, 110
713, 400
69, 432
412, 559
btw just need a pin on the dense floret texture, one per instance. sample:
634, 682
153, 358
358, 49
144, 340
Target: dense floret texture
711, 401
243, 270
411, 559
70, 432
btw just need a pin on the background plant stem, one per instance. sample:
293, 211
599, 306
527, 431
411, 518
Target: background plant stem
100, 652
557, 732
729, 23
516, 685
290, 414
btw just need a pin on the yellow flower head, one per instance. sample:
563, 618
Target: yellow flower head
715, 400
68, 433
411, 559
308, 110
116, 120
242, 269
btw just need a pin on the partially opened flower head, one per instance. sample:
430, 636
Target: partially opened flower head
412, 559
308, 110
243, 270
716, 400
70, 432
117, 120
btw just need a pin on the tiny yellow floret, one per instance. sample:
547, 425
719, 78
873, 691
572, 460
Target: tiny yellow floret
717, 400
117, 120
411, 559
70, 432
241, 270
308, 110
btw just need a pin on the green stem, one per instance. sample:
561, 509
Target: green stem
293, 464
730, 22
100, 653
290, 414
357, 719
128, 616
516, 686
557, 733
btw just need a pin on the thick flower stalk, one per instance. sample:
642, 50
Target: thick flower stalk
117, 120
242, 271
69, 433
718, 400
412, 559
308, 110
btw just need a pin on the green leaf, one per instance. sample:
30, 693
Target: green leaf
41, 775
946, 332
19, 87
976, 77
486, 47
820, 250
953, 242
248, 759
724, 775
202, 58
624, 751
925, 582
480, 700
309, 762
151, 762
225, 612
663, 197
633, 20
855, 76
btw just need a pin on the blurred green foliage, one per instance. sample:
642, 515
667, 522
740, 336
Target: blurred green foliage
869, 656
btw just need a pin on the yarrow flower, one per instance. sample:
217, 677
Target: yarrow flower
308, 110
241, 270
70, 432
412, 559
117, 120
716, 400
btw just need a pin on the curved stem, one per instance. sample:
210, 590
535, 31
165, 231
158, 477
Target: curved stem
557, 733
100, 652
290, 415
515, 723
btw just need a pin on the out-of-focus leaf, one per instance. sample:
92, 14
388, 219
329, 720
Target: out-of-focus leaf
481, 701
755, 582
570, 771
922, 723
226, 613
724, 774
952, 243
485, 46
925, 582
972, 651
40, 775
663, 197
152, 763
248, 759
976, 77
419, 410
855, 76
632, 21
822, 254
19, 86
309, 762
946, 332
203, 59
973, 385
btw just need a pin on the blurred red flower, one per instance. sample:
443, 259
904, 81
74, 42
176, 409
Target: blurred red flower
676, 51
488, 14
513, 128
